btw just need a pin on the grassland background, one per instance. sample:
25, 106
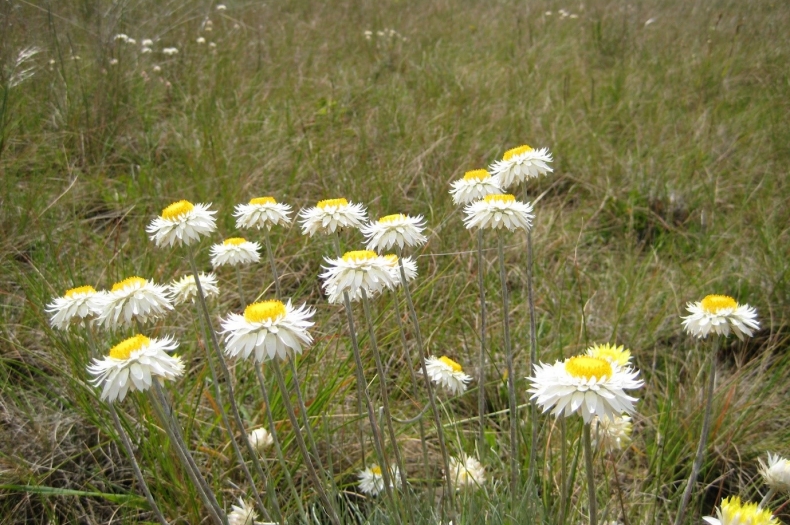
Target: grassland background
672, 146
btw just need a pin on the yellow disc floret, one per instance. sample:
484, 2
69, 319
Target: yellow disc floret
359, 256
376, 470
586, 367
509, 154
733, 511
263, 200
129, 281
264, 311
392, 258
332, 203
452, 364
125, 348
477, 175
612, 353
392, 218
713, 304
235, 241
490, 199
176, 210
79, 290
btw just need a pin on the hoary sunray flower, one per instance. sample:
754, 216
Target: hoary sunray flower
519, 164
611, 434
235, 251
77, 304
733, 512
260, 439
182, 223
270, 328
475, 185
243, 514
331, 215
466, 472
185, 290
133, 364
371, 480
409, 268
262, 212
719, 314
590, 385
170, 51
130, 299
617, 355
447, 373
499, 211
355, 271
399, 229
776, 473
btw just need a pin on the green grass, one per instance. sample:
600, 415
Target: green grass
671, 143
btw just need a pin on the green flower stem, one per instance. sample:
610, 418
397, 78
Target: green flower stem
768, 496
588, 460
270, 254
563, 469
533, 358
481, 390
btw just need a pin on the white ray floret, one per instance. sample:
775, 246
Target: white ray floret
519, 164
499, 211
77, 304
262, 212
133, 299
356, 271
182, 223
235, 251
475, 185
185, 290
448, 374
395, 230
720, 314
331, 215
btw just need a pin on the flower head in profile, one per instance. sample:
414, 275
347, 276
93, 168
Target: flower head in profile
591, 385
720, 314
331, 215
616, 355
466, 472
235, 251
244, 514
776, 473
475, 185
185, 290
519, 164
354, 272
262, 212
401, 230
133, 364
371, 480
499, 211
77, 304
733, 512
133, 299
182, 223
448, 374
260, 439
409, 268
269, 328
611, 434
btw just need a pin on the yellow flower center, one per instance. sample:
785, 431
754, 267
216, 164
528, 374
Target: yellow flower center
490, 199
263, 200
359, 256
264, 311
712, 304
235, 241
176, 210
611, 353
392, 218
452, 364
392, 258
587, 367
332, 203
509, 154
376, 470
125, 348
79, 290
477, 175
733, 511
129, 281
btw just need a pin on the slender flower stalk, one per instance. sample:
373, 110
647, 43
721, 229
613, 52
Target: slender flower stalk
270, 254
588, 460
481, 389
242, 300
533, 352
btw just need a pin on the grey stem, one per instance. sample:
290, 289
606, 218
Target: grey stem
533, 358
270, 253
481, 390
241, 287
588, 459
768, 496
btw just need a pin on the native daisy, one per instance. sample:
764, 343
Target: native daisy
77, 304
185, 290
235, 251
371, 480
130, 299
616, 355
466, 472
776, 473
401, 230
356, 271
497, 211
260, 439
475, 185
611, 434
270, 328
133, 363
331, 215
262, 212
720, 313
447, 373
182, 223
243, 514
591, 385
519, 164
733, 512
409, 268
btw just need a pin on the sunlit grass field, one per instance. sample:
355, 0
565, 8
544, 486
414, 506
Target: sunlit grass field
669, 123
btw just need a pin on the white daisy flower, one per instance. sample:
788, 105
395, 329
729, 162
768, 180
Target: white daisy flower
776, 473
720, 313
466, 472
181, 223
330, 215
200, 40
447, 373
77, 304
733, 512
409, 268
475, 185
617, 355
133, 363
260, 439
591, 385
611, 434
133, 298
147, 42
243, 514
356, 271
371, 480
398, 229
121, 37
185, 290
262, 212
498, 211
221, 7
170, 51
270, 328
235, 251
519, 164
